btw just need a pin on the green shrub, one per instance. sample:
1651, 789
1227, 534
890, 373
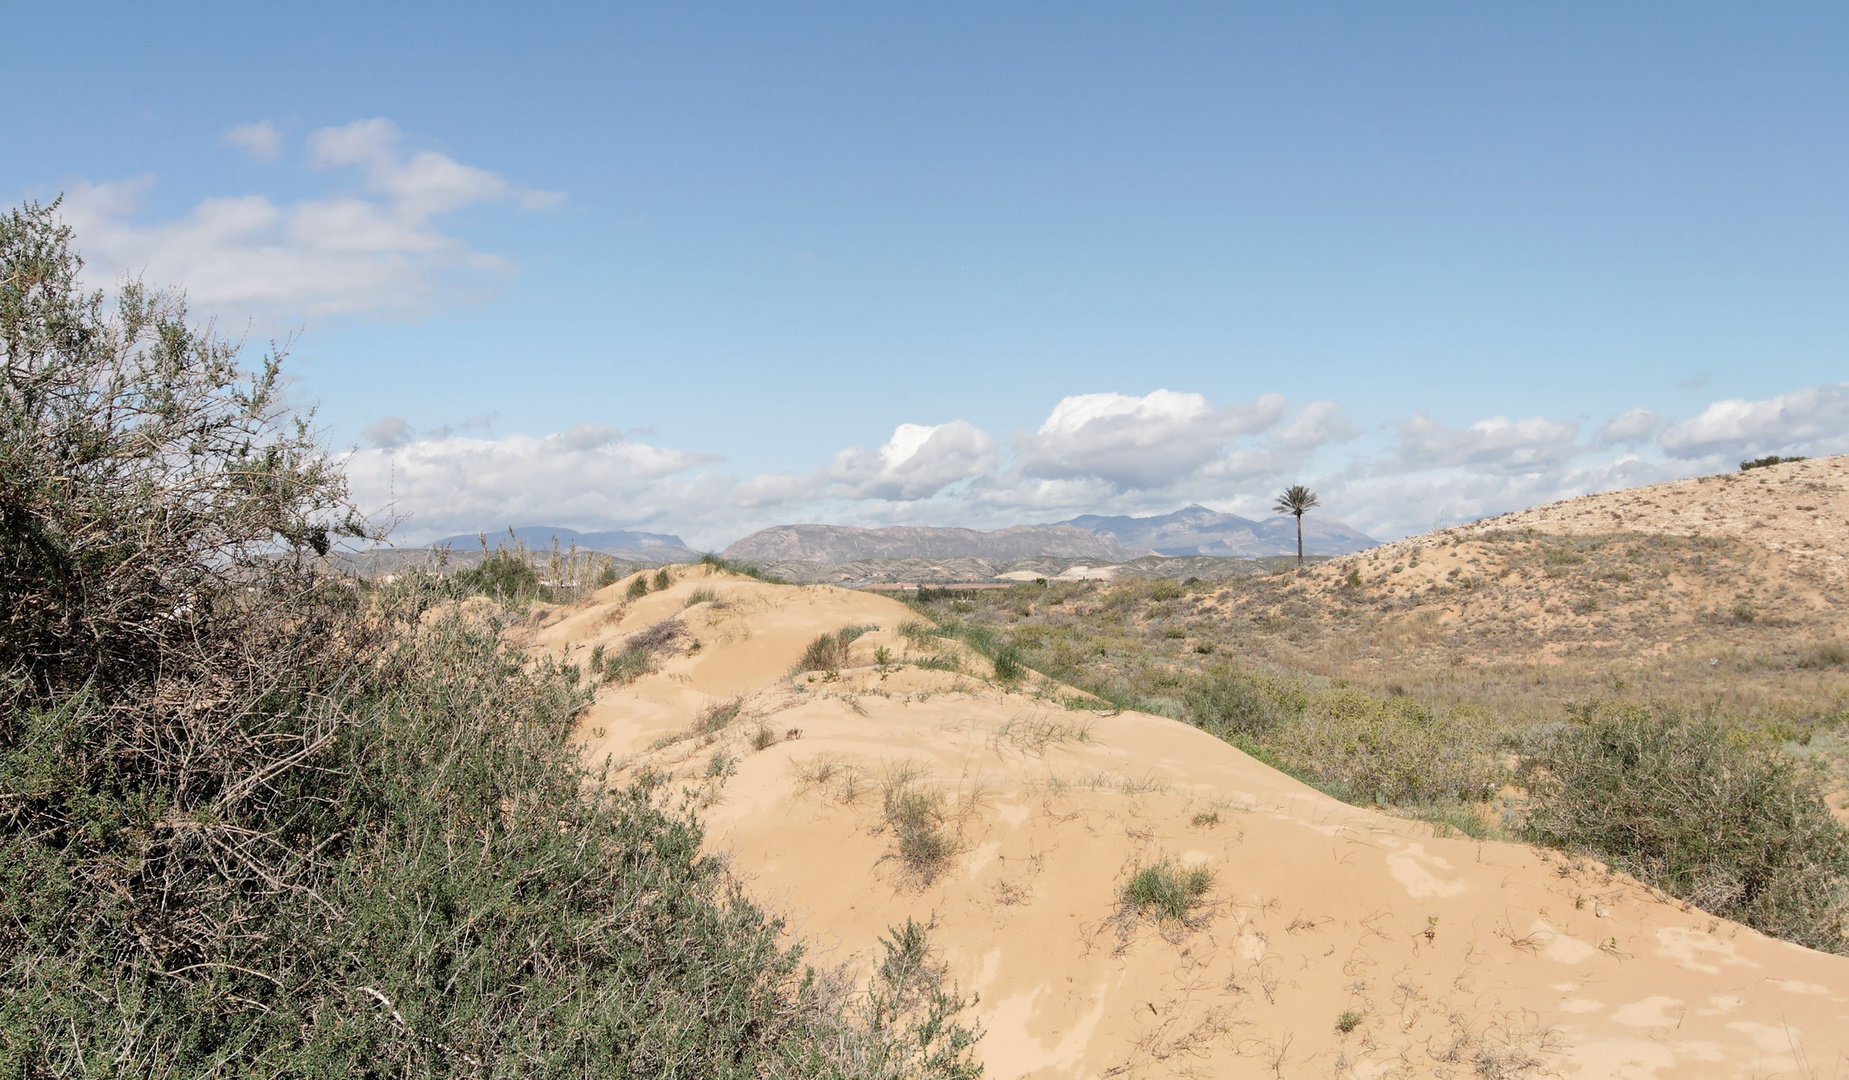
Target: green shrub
663, 579
638, 588
642, 650
256, 822
919, 818
504, 575
829, 652
1234, 703
1166, 891
1769, 459
1735, 826
716, 563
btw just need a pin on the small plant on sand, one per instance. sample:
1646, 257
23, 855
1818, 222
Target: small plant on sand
663, 579
703, 594
829, 652
640, 652
1206, 819
1768, 460
717, 716
919, 818
638, 588
1166, 891
1348, 1021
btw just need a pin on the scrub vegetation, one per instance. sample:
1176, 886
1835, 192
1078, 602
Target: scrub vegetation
259, 819
1705, 777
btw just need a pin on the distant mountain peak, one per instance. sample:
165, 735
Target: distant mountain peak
1198, 530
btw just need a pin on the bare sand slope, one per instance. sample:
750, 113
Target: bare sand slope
1450, 957
1799, 509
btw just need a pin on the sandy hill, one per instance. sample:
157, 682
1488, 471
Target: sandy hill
1332, 940
1729, 589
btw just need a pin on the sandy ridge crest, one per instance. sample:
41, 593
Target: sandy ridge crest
1450, 956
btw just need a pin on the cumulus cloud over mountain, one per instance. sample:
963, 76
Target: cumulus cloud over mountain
1093, 453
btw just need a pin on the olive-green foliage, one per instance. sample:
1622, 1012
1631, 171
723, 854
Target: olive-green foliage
504, 575
663, 579
1003, 652
717, 563
919, 819
1732, 824
829, 652
1769, 459
911, 1018
255, 821
1166, 891
1362, 746
640, 652
638, 588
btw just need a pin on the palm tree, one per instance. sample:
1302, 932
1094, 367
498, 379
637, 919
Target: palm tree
1295, 500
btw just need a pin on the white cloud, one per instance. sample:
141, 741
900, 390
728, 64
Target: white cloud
1135, 443
260, 140
1631, 427
1176, 449
1496, 444
589, 474
917, 462
1814, 421
381, 252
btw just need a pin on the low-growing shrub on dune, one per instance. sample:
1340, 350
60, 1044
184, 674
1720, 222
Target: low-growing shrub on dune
1726, 821
829, 652
1363, 747
256, 820
1166, 891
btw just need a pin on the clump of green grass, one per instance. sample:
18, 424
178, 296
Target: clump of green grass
714, 562
1704, 812
663, 579
917, 813
829, 652
641, 652
1206, 819
1348, 1021
1166, 891
702, 594
638, 588
717, 716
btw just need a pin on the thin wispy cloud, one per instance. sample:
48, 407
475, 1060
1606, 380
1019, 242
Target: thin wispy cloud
375, 247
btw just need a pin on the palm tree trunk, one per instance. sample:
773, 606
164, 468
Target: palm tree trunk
1300, 540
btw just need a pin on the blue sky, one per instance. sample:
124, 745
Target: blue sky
699, 270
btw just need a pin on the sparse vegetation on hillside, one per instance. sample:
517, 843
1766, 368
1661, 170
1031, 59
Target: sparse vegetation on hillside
258, 820
1343, 680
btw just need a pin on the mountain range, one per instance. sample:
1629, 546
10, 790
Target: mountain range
842, 543
1197, 530
663, 547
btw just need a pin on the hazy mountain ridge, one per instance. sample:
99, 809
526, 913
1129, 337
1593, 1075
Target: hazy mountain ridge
844, 544
658, 547
1196, 530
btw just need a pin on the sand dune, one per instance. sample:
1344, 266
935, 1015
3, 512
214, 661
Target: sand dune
1451, 957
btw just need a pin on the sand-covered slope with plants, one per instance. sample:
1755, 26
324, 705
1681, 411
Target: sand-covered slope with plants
1128, 895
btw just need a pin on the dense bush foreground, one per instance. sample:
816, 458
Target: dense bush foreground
255, 821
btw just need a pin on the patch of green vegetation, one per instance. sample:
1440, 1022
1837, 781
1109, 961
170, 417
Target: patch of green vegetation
505, 575
638, 588
1730, 823
829, 652
715, 562
642, 650
1768, 460
256, 820
918, 815
1166, 891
